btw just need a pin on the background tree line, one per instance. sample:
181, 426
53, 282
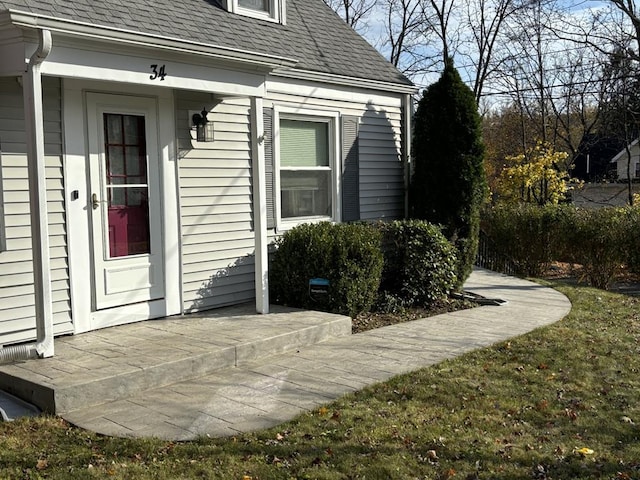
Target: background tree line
556, 82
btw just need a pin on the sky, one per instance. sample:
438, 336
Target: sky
375, 32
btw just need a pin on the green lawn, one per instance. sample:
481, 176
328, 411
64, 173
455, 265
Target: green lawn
561, 402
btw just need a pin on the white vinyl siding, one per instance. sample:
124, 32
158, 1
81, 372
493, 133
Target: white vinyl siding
216, 205
381, 172
621, 162
17, 310
633, 166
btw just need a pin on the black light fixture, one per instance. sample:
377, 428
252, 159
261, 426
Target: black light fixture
200, 122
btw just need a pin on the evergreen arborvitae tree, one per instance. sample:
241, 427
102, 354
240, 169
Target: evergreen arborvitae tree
448, 185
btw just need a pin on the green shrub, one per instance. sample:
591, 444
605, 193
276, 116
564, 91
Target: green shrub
449, 186
596, 240
632, 239
348, 255
600, 240
529, 235
419, 264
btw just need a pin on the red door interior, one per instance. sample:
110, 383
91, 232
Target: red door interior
127, 186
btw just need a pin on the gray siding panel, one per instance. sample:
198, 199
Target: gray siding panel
216, 205
380, 170
17, 311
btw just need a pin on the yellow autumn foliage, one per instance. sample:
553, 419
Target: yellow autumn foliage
534, 177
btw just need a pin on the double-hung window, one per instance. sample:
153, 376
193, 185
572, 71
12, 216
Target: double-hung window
306, 176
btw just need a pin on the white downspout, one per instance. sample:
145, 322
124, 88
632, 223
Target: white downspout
32, 92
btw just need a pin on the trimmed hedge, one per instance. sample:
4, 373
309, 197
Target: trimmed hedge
601, 240
527, 234
398, 264
632, 244
596, 240
348, 255
419, 264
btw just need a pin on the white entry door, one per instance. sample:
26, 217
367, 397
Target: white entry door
125, 204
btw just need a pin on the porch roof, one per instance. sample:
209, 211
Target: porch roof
314, 36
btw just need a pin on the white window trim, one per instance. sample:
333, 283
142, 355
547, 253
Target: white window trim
332, 118
276, 13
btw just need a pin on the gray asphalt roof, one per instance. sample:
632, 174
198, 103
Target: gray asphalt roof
313, 35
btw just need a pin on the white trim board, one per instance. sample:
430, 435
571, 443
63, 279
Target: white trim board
152, 71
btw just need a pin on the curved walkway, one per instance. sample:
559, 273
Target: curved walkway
278, 388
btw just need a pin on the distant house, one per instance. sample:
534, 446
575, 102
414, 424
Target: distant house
611, 193
150, 151
592, 163
621, 160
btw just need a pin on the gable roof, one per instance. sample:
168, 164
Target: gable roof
313, 35
622, 152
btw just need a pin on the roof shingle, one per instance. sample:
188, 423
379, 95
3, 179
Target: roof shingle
313, 35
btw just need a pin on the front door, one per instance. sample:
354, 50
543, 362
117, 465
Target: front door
124, 204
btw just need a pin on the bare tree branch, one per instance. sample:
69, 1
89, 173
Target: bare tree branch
353, 12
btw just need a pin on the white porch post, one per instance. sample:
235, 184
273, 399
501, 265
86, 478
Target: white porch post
32, 92
259, 206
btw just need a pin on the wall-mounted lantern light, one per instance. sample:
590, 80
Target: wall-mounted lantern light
204, 132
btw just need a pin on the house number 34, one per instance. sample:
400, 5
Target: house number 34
157, 72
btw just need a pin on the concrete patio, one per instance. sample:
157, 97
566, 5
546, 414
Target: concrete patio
229, 371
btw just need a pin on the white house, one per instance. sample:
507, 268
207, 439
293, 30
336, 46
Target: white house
621, 161
150, 151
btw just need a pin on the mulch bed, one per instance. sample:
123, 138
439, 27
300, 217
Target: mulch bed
626, 282
371, 320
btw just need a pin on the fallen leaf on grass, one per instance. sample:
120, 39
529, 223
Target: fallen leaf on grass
583, 452
542, 405
572, 414
42, 464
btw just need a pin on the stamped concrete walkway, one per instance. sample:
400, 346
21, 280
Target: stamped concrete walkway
275, 389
